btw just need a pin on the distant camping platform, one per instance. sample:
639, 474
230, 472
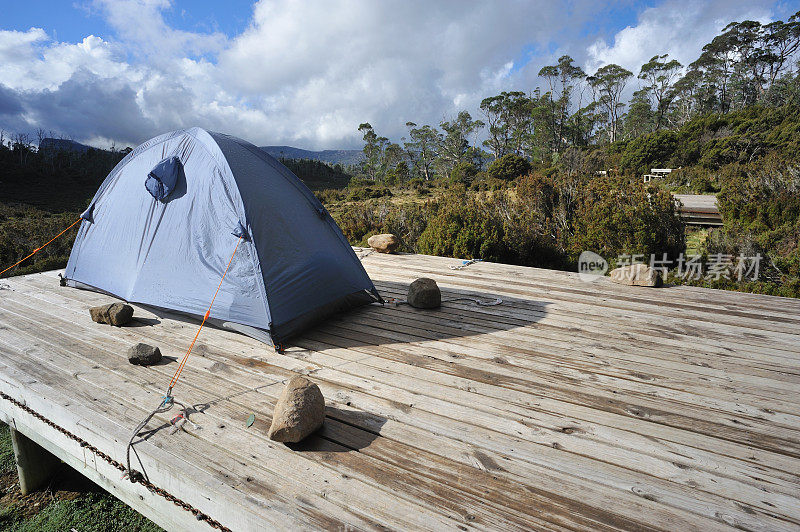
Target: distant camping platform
572, 405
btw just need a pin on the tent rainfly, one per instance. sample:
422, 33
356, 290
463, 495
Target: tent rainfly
161, 229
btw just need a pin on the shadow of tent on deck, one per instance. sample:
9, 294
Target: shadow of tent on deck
460, 316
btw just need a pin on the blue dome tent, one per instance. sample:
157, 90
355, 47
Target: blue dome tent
161, 229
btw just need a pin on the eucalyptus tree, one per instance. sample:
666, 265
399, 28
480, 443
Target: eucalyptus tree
717, 63
659, 74
373, 151
454, 145
782, 40
562, 79
608, 85
686, 98
510, 122
392, 159
641, 118
422, 148
583, 123
747, 39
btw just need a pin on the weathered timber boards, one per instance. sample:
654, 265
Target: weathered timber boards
584, 490
569, 406
228, 442
506, 275
623, 305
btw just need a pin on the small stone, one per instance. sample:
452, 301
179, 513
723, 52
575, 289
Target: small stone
636, 275
119, 314
99, 314
424, 293
300, 410
385, 243
144, 355
113, 314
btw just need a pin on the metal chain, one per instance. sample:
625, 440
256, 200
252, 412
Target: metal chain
365, 255
490, 303
465, 263
134, 477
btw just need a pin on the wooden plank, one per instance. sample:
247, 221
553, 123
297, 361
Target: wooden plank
197, 487
737, 406
553, 279
657, 411
378, 503
673, 516
504, 316
668, 329
469, 517
623, 307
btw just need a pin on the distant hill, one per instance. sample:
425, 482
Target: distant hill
343, 157
315, 168
63, 145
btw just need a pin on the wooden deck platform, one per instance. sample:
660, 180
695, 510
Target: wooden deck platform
571, 405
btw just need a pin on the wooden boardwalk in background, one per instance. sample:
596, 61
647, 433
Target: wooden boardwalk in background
571, 405
699, 209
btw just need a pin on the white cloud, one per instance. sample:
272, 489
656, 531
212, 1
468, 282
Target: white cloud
141, 26
31, 61
678, 27
322, 68
307, 73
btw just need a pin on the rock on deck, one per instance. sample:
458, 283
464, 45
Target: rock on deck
571, 405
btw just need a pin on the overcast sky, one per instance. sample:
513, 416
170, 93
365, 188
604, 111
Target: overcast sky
307, 73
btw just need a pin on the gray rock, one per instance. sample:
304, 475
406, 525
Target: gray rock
300, 410
637, 275
144, 355
113, 314
385, 243
424, 293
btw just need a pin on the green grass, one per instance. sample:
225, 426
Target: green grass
93, 512
23, 228
695, 240
89, 510
7, 464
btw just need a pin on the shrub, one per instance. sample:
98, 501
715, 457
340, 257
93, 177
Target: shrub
655, 149
482, 182
365, 193
23, 229
537, 226
464, 228
509, 166
693, 180
546, 221
760, 207
714, 140
464, 173
330, 195
359, 221
616, 215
